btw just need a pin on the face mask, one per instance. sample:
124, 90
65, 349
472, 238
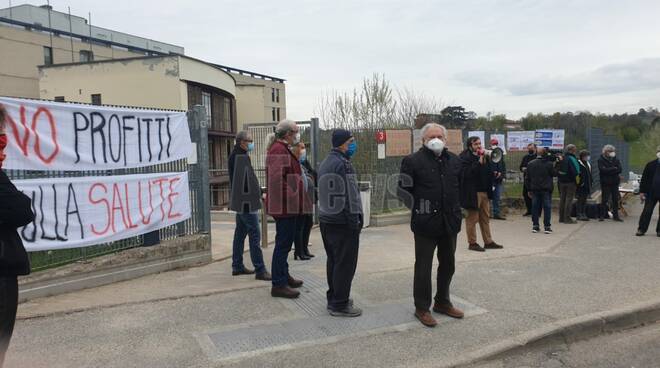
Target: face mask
352, 148
531, 152
3, 145
588, 158
250, 147
436, 145
613, 154
297, 137
658, 155
303, 156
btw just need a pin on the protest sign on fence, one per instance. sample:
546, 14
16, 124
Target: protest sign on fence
82, 211
480, 134
517, 141
45, 135
550, 138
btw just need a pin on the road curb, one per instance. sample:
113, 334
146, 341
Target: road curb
566, 331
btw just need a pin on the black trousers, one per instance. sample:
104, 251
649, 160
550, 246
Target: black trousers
341, 246
305, 223
647, 213
422, 284
566, 195
8, 306
581, 206
609, 192
528, 201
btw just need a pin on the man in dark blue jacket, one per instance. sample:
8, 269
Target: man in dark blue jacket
609, 169
340, 210
649, 190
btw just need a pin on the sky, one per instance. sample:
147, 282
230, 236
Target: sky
501, 56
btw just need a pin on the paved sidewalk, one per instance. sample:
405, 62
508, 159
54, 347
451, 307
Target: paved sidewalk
204, 317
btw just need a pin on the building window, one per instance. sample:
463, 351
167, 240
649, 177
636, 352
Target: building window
48, 55
226, 114
96, 99
277, 95
274, 114
86, 56
278, 114
206, 102
272, 94
59, 99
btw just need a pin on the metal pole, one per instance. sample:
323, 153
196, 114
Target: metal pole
314, 140
264, 224
71, 37
199, 112
90, 33
50, 30
11, 13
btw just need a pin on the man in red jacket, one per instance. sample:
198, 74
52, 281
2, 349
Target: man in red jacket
284, 202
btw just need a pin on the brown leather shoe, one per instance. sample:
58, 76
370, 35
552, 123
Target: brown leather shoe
476, 247
449, 310
284, 292
425, 317
294, 283
493, 245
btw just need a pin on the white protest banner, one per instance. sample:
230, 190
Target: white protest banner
83, 211
479, 133
550, 138
46, 135
517, 141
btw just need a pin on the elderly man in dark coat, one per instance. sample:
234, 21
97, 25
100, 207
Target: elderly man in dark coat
649, 190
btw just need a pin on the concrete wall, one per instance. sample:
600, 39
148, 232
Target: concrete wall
152, 82
23, 52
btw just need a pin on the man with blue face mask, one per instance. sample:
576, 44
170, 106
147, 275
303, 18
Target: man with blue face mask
245, 200
341, 217
649, 191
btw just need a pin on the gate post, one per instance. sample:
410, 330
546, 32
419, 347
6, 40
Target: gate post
314, 140
199, 128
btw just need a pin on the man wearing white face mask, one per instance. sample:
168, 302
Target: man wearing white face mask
609, 169
429, 187
649, 191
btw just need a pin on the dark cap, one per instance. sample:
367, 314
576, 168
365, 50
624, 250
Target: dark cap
340, 136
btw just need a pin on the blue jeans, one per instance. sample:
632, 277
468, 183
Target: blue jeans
247, 224
284, 237
497, 194
541, 200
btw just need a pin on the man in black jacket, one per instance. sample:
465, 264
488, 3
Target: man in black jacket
540, 172
429, 187
649, 191
245, 200
584, 186
476, 194
610, 170
569, 172
531, 155
340, 209
15, 212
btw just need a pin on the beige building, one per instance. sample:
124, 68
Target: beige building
260, 99
31, 36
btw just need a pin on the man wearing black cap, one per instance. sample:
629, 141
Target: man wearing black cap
340, 211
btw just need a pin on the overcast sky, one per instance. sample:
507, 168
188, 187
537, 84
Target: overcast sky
504, 56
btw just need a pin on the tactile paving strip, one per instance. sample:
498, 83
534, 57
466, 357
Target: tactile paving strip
271, 336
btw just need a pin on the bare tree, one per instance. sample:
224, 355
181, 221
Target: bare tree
376, 105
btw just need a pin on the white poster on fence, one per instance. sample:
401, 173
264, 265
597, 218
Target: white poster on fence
479, 133
46, 135
550, 138
82, 211
517, 141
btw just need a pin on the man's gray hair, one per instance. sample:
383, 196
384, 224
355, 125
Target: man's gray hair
608, 147
243, 135
571, 148
428, 126
281, 130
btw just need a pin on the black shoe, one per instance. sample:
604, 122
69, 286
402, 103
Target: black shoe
536, 229
294, 283
569, 221
527, 214
245, 271
583, 218
476, 247
350, 304
499, 217
284, 292
618, 219
309, 255
349, 311
600, 219
658, 234
548, 230
302, 258
264, 276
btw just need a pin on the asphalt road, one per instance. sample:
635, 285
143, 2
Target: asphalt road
636, 348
